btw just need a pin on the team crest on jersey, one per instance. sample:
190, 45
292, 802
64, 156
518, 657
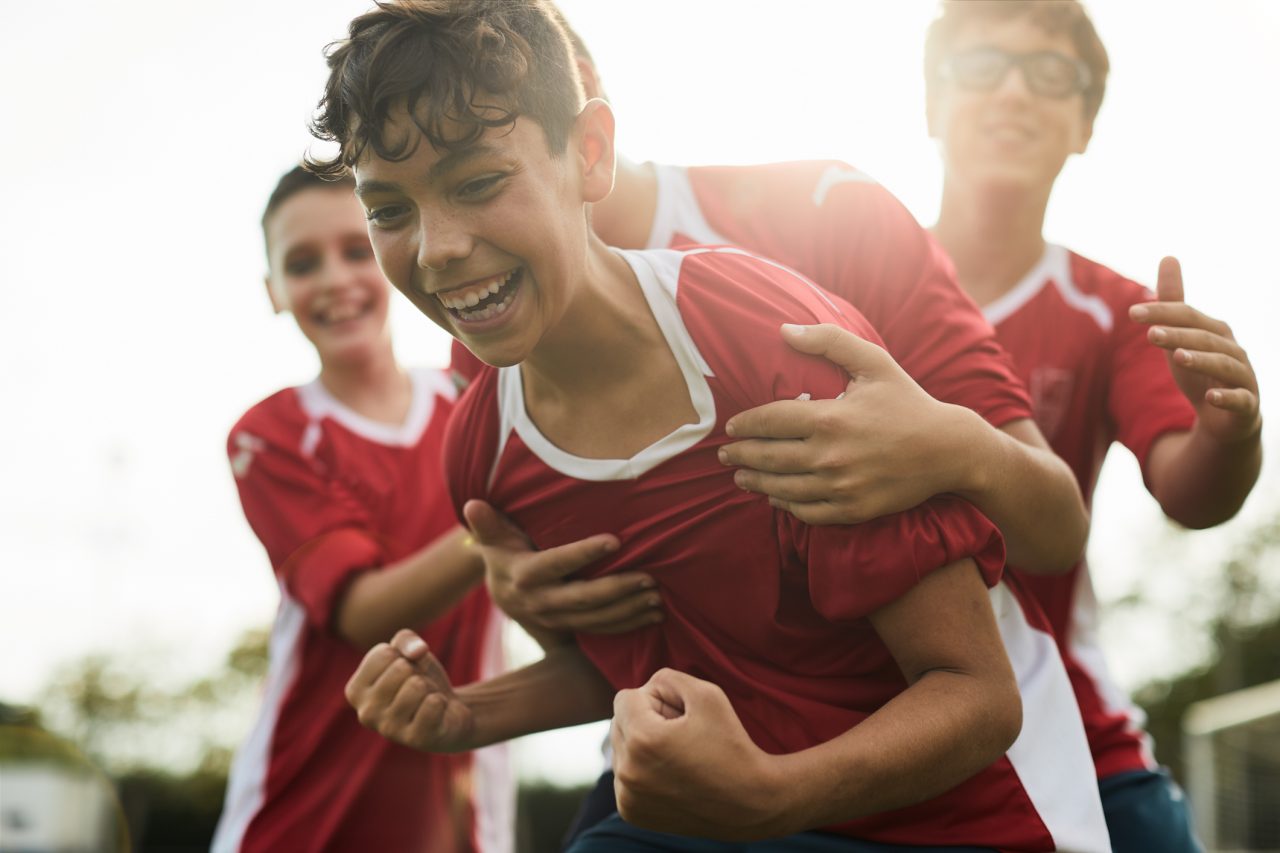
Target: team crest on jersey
1050, 389
246, 446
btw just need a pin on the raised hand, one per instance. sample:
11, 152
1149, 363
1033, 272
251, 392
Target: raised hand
1211, 369
401, 691
530, 586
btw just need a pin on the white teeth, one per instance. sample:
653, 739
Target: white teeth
488, 311
463, 301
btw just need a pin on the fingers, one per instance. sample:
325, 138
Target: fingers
552, 565
1177, 314
375, 662
409, 644
1220, 367
843, 348
821, 512
801, 487
1238, 401
775, 455
669, 692
374, 698
1169, 281
1195, 339
609, 605
779, 419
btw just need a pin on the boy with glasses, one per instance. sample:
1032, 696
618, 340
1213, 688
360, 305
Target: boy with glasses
1012, 91
1013, 87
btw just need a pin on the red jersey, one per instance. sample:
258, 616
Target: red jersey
332, 494
773, 611
839, 228
1094, 379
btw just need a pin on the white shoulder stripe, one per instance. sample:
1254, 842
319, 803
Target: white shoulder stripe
678, 211
1054, 266
427, 384
833, 177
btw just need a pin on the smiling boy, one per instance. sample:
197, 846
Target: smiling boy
849, 678
340, 478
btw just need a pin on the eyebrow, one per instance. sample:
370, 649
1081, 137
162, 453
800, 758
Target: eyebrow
453, 160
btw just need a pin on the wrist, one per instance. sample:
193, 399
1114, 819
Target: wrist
973, 450
790, 791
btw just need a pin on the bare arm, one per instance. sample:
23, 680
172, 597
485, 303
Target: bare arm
410, 592
1202, 477
887, 446
673, 737
401, 691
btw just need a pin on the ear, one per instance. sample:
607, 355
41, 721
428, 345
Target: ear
592, 144
933, 121
278, 302
1086, 134
590, 79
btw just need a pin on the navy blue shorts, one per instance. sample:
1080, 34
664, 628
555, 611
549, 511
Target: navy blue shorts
1146, 810
614, 835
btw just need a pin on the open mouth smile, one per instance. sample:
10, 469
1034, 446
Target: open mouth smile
484, 299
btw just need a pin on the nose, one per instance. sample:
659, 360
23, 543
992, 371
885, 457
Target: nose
1014, 83
336, 272
443, 238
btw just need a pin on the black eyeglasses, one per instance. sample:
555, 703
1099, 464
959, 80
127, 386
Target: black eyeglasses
1047, 72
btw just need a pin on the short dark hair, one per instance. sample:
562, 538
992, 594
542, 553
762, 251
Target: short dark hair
1052, 16
437, 58
296, 180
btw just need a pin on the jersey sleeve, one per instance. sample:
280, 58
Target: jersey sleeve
471, 441
1143, 400
853, 569
317, 535
903, 282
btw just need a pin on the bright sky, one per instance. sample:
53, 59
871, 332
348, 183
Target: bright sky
143, 139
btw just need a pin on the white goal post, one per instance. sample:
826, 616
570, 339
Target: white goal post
1231, 750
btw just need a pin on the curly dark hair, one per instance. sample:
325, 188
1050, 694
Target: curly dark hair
460, 67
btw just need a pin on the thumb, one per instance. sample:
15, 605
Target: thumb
841, 347
490, 527
1169, 281
672, 693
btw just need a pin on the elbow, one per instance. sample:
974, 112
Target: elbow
1000, 719
1199, 515
1005, 723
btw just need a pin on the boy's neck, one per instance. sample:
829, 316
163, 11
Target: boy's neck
625, 218
604, 383
376, 386
993, 239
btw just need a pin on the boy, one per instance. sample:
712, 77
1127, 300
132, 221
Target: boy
1013, 89
858, 672
341, 480
1190, 414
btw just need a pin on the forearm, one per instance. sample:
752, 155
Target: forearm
562, 689
928, 739
1027, 491
1199, 481
408, 593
